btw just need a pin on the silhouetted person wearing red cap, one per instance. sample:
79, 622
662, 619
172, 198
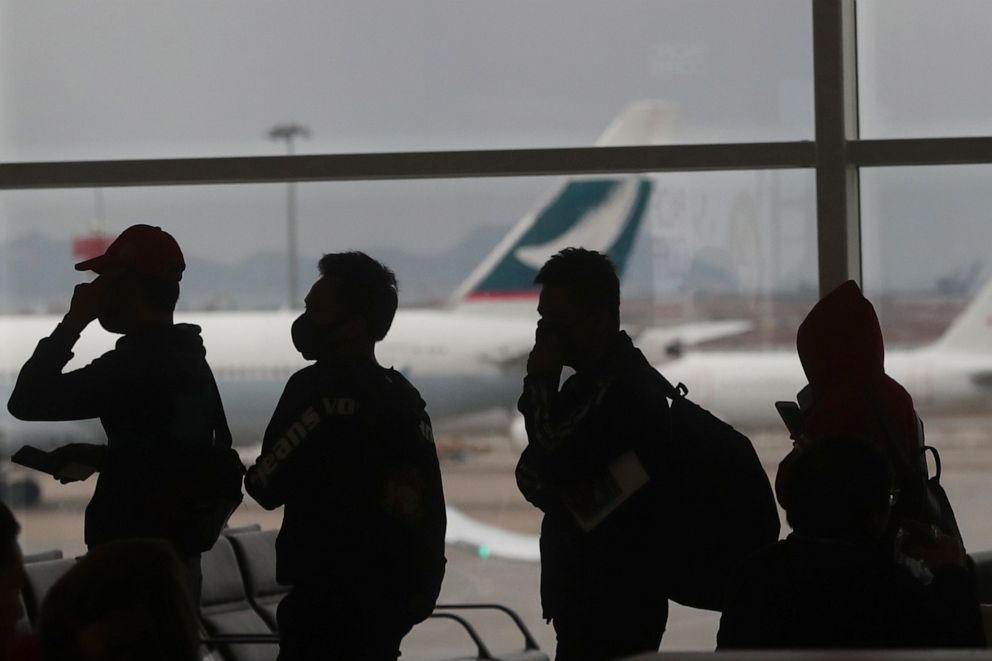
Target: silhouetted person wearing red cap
154, 394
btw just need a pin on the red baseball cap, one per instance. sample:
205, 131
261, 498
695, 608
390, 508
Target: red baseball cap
140, 249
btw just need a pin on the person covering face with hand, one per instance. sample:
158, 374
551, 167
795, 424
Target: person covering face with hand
601, 582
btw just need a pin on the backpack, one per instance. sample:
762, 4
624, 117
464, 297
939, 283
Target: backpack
922, 501
408, 494
717, 498
205, 488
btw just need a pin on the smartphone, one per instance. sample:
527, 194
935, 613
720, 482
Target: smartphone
792, 417
39, 460
74, 472
32, 457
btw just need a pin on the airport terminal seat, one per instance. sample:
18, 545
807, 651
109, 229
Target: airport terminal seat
41, 571
256, 553
240, 597
530, 652
982, 563
225, 611
237, 530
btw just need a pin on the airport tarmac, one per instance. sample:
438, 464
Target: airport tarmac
481, 485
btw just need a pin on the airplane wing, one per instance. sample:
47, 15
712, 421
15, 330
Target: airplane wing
490, 540
657, 344
663, 343
509, 355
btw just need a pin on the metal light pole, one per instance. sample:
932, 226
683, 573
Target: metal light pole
288, 132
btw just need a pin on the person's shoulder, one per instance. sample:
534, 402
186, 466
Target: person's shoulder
401, 390
635, 373
773, 554
306, 378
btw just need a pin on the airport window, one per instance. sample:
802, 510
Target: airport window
921, 70
926, 268
757, 203
734, 247
211, 78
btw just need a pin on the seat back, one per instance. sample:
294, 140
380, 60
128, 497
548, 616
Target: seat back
40, 576
224, 605
982, 563
24, 624
256, 553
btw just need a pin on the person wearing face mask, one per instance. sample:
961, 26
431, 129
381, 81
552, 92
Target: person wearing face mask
592, 465
154, 394
350, 455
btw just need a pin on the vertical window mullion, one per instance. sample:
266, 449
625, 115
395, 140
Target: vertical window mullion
836, 104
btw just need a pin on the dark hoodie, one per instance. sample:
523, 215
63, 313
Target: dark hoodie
840, 346
154, 395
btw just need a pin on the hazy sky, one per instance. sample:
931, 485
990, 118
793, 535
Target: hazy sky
134, 79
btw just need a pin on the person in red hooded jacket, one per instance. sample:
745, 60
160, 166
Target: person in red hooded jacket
841, 349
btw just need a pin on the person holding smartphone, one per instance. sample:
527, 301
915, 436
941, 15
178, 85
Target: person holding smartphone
153, 393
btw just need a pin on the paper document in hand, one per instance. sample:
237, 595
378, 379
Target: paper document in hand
622, 479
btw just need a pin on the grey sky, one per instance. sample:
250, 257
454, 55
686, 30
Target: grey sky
131, 79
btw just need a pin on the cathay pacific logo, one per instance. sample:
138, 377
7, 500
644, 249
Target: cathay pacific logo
596, 214
598, 228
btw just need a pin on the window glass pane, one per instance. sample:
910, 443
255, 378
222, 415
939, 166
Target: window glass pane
728, 257
926, 269
189, 78
922, 67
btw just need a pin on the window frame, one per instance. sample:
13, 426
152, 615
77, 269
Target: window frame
836, 155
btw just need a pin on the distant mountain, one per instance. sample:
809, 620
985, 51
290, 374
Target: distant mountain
37, 275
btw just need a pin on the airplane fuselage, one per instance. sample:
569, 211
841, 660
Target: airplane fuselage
742, 387
457, 361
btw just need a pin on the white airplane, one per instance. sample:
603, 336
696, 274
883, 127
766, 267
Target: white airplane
951, 375
461, 359
465, 358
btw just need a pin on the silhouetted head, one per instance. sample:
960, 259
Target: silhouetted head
580, 303
142, 269
840, 339
11, 577
841, 488
122, 600
348, 310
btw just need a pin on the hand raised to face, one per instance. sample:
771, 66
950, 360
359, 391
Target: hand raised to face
89, 299
545, 357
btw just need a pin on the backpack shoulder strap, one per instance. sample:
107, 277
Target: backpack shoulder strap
674, 392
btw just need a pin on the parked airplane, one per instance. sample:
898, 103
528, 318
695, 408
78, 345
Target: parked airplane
461, 361
951, 375
465, 358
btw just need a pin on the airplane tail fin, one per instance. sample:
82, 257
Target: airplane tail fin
598, 213
972, 330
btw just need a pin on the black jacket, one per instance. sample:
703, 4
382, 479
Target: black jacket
573, 436
156, 399
350, 453
808, 593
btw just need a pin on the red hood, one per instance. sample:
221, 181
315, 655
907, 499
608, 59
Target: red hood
841, 338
